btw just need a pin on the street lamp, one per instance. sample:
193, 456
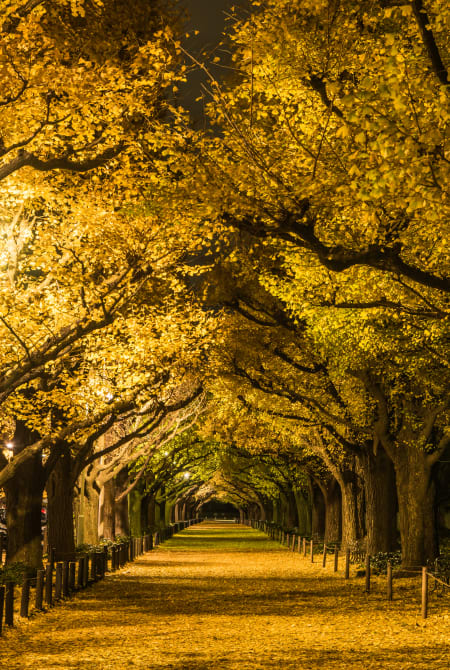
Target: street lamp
8, 450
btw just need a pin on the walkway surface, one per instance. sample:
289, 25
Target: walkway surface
223, 596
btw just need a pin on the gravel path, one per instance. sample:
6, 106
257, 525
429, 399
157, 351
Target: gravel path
222, 596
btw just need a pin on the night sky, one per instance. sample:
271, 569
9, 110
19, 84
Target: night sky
208, 17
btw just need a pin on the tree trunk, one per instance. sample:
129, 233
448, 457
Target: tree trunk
91, 507
122, 522
303, 512
24, 494
318, 511
333, 505
416, 493
349, 512
60, 506
107, 510
381, 501
134, 511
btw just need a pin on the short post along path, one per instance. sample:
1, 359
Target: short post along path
220, 595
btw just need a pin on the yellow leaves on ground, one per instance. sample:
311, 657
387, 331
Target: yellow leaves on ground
223, 600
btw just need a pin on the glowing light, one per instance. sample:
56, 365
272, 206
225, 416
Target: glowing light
10, 445
187, 475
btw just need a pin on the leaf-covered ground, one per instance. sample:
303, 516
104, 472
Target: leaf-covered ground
223, 596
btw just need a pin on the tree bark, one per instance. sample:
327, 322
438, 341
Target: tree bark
381, 501
333, 505
60, 509
350, 534
318, 512
416, 495
122, 522
91, 506
24, 493
107, 511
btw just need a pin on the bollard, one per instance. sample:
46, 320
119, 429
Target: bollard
299, 543
48, 583
367, 587
92, 560
113, 559
424, 593
336, 558
85, 571
72, 568
304, 546
58, 581
324, 556
347, 564
80, 572
25, 599
312, 551
51, 557
9, 604
2, 605
105, 560
38, 596
389, 581
65, 579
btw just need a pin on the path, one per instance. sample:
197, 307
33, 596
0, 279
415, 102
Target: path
222, 596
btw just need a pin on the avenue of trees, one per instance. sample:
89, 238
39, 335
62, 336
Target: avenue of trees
256, 312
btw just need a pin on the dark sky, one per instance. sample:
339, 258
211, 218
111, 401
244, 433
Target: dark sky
208, 17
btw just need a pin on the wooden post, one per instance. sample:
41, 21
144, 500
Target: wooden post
347, 564
312, 550
93, 562
424, 593
9, 604
299, 543
324, 557
58, 581
48, 583
72, 566
105, 560
293, 543
367, 587
80, 572
85, 571
389, 581
95, 566
38, 596
65, 579
51, 557
25, 599
336, 558
2, 605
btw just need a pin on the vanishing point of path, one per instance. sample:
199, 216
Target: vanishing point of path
223, 596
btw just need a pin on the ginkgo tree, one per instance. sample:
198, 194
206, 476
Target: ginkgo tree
327, 183
81, 81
